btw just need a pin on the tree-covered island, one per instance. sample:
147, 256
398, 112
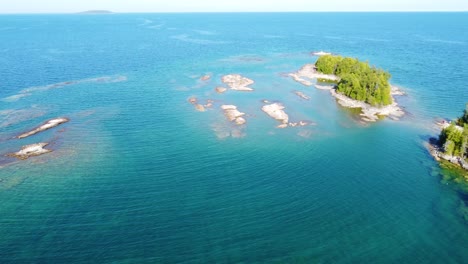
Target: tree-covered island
358, 80
354, 84
452, 144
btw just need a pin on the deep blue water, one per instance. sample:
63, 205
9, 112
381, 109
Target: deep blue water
138, 176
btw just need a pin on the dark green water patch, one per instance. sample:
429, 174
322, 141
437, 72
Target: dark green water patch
452, 173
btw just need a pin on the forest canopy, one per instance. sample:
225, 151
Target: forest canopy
454, 138
358, 80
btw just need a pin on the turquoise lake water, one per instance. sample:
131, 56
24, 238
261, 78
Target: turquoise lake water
139, 176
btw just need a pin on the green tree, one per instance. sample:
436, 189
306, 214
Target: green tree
464, 118
327, 64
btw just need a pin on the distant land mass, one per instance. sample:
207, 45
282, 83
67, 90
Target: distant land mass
96, 12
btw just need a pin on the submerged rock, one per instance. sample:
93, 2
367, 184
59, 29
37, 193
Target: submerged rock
220, 89
200, 108
238, 82
276, 111
302, 95
209, 103
205, 77
47, 125
192, 100
30, 151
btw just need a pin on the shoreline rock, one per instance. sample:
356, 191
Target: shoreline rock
30, 151
320, 53
309, 71
396, 91
47, 125
237, 82
324, 87
369, 113
437, 152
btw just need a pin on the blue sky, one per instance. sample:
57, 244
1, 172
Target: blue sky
71, 6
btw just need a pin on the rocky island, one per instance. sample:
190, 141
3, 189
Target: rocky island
355, 84
452, 144
47, 125
30, 151
233, 115
238, 82
276, 111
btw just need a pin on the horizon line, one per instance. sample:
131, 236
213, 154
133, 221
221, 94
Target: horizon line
233, 12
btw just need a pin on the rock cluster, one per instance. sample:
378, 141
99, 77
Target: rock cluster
200, 107
238, 82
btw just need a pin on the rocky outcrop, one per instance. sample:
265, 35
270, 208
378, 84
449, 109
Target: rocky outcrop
47, 125
276, 111
238, 82
308, 72
233, 115
30, 151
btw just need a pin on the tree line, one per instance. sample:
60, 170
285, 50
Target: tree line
454, 138
358, 80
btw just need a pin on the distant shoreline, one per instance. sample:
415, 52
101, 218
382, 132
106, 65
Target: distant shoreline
254, 12
95, 12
